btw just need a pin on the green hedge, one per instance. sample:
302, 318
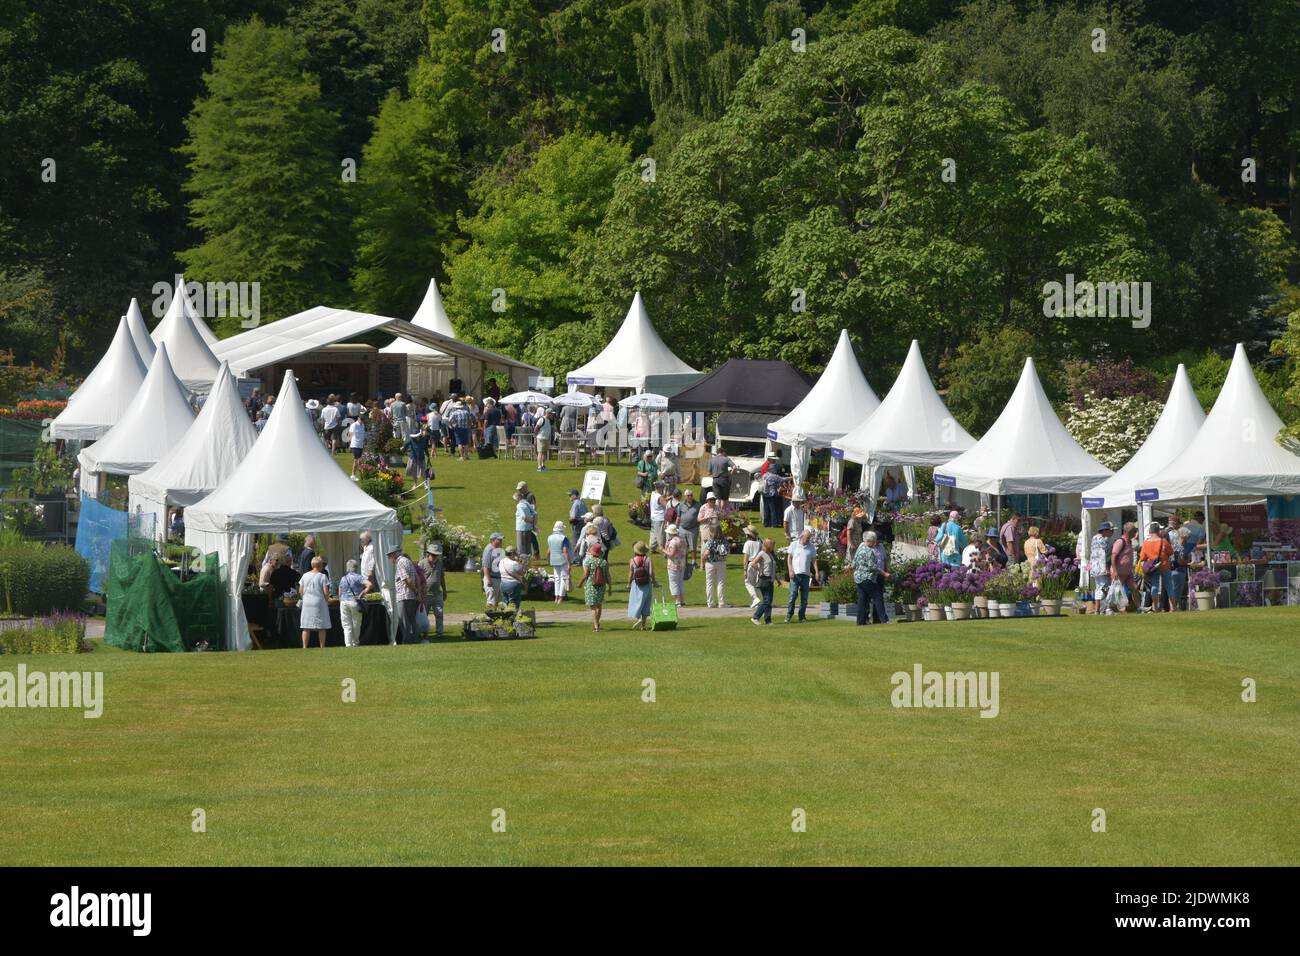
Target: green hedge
37, 580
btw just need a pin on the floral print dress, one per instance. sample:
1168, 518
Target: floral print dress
594, 594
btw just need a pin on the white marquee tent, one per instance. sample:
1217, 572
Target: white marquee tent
1235, 453
144, 343
208, 454
200, 326
191, 354
839, 402
428, 370
1026, 451
636, 358
106, 393
288, 482
154, 423
911, 427
1177, 426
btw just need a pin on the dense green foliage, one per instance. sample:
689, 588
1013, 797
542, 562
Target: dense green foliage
901, 169
38, 578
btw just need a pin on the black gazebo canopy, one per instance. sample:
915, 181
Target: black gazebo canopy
761, 387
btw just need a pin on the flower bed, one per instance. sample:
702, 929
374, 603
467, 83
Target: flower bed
58, 633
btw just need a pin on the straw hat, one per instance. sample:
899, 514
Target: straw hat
559, 526
671, 530
639, 548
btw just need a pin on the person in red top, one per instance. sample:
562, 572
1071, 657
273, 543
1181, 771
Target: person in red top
1155, 554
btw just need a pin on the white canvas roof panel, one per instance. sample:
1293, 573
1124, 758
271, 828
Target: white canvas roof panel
912, 426
191, 355
287, 482
1177, 426
1026, 451
106, 393
144, 343
208, 453
156, 421
636, 357
432, 316
1235, 452
840, 401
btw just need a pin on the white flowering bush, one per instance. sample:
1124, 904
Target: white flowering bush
1112, 429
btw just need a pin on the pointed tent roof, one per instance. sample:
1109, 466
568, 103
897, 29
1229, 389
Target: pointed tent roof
1178, 424
140, 333
191, 355
288, 482
838, 403
1026, 451
430, 315
209, 453
205, 333
106, 393
1235, 453
634, 355
157, 419
912, 426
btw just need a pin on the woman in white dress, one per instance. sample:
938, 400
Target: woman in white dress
315, 590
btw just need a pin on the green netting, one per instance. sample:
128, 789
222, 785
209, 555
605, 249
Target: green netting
150, 608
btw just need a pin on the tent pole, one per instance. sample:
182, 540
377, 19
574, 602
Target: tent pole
1209, 553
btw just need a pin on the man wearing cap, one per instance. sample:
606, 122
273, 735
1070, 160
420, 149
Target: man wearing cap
407, 585
794, 518
1099, 563
435, 584
577, 513
753, 545
493, 555
995, 559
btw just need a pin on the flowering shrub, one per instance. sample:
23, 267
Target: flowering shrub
34, 409
458, 542
1112, 429
380, 483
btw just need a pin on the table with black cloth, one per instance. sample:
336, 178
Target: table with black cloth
282, 624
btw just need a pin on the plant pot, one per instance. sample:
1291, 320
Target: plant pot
960, 611
934, 614
1050, 607
1205, 600
830, 609
994, 609
913, 612
947, 612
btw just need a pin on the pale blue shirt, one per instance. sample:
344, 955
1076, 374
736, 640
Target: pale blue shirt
802, 557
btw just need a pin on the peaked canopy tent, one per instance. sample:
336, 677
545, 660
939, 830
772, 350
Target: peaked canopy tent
636, 358
144, 343
191, 355
187, 306
1235, 453
288, 482
428, 370
911, 427
208, 454
840, 401
154, 423
1027, 451
106, 393
322, 326
1174, 431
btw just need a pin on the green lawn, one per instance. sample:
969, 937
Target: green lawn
1141, 717
477, 493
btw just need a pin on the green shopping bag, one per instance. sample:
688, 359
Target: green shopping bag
663, 616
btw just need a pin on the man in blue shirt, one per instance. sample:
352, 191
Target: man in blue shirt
801, 563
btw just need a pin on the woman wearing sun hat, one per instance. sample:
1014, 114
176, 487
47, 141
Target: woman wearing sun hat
675, 551
640, 586
561, 553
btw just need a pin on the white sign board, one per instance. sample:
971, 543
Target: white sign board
593, 486
545, 383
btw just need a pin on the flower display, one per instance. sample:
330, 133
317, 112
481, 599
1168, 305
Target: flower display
1205, 580
1055, 575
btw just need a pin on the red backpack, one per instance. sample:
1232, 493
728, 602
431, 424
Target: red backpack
641, 570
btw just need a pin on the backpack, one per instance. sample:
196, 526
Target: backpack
424, 582
608, 535
599, 576
670, 514
844, 535
641, 570
949, 545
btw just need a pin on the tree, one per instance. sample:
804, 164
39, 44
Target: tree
984, 372
521, 242
1113, 429
408, 188
268, 192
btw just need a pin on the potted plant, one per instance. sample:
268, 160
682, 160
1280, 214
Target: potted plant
841, 591
1000, 594
1055, 577
1206, 585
